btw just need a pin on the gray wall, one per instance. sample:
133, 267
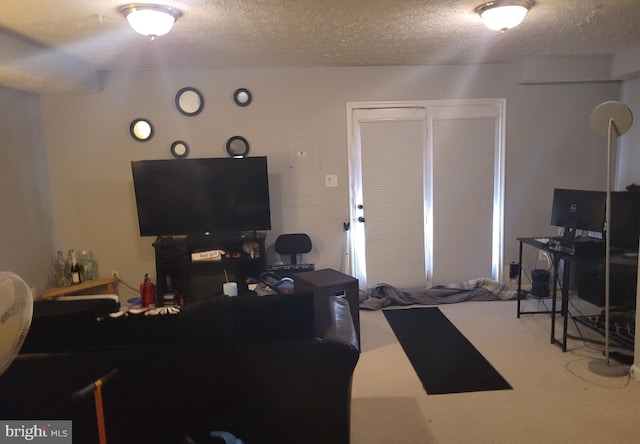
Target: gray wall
549, 144
26, 223
629, 143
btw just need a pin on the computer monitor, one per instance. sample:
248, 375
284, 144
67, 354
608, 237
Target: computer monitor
578, 210
625, 220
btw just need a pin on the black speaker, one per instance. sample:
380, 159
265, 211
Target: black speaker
514, 270
326, 283
540, 283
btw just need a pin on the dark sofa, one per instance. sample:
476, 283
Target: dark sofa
258, 367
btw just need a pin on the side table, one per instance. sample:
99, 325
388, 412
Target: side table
328, 282
108, 283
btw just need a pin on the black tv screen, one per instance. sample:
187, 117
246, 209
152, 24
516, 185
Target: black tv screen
198, 196
578, 209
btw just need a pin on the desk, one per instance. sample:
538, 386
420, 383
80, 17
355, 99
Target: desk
79, 288
567, 260
556, 258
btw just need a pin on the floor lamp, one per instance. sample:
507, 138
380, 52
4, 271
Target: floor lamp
611, 119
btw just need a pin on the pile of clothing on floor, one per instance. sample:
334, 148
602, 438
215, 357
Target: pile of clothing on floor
482, 289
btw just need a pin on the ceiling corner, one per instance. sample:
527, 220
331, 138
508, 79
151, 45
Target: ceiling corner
25, 65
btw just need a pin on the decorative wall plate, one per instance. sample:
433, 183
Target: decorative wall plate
179, 149
141, 129
189, 101
237, 146
242, 97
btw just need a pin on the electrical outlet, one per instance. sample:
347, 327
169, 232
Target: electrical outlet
115, 274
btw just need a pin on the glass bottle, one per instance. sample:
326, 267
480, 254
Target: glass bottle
95, 271
86, 266
67, 268
74, 269
61, 271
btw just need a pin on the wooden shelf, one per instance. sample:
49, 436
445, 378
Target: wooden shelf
83, 286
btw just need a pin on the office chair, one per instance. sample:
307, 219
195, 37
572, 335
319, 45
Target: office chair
293, 244
280, 277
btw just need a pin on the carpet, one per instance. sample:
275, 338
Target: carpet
444, 360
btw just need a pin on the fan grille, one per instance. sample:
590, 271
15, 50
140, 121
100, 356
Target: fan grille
16, 312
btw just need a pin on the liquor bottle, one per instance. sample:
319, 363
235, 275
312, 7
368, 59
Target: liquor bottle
61, 271
67, 266
95, 271
86, 267
74, 269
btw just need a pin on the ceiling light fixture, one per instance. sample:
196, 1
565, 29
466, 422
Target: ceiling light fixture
149, 19
501, 15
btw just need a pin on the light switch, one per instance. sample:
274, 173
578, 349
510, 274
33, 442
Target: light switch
331, 180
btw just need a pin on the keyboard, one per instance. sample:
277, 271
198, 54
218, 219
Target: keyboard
293, 268
561, 245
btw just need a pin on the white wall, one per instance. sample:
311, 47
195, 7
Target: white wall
26, 224
549, 144
629, 143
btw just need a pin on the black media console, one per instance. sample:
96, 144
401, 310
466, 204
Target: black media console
179, 274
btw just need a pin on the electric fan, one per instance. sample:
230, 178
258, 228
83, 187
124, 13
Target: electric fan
16, 311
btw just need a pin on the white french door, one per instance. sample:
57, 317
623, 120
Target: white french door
390, 199
426, 191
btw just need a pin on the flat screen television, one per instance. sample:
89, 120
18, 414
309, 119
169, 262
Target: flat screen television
578, 210
200, 196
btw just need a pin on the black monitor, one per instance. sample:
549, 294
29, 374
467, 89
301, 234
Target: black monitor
197, 196
578, 210
625, 220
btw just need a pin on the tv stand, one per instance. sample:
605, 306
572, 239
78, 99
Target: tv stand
190, 280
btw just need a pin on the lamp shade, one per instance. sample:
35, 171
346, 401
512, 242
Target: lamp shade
150, 20
503, 15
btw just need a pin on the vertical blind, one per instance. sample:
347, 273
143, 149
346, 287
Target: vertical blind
393, 198
463, 190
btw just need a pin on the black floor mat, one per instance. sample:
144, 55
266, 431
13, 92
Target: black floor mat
445, 361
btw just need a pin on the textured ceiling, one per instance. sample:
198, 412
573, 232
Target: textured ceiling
252, 33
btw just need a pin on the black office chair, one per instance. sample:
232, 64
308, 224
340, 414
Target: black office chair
293, 244
279, 277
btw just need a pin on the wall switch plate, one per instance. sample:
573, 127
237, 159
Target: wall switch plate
331, 180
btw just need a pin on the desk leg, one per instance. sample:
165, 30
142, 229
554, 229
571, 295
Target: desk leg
519, 278
565, 302
556, 260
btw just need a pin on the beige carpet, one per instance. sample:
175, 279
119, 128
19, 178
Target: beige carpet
555, 398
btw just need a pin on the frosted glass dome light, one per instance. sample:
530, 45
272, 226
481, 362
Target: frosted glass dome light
150, 20
503, 15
